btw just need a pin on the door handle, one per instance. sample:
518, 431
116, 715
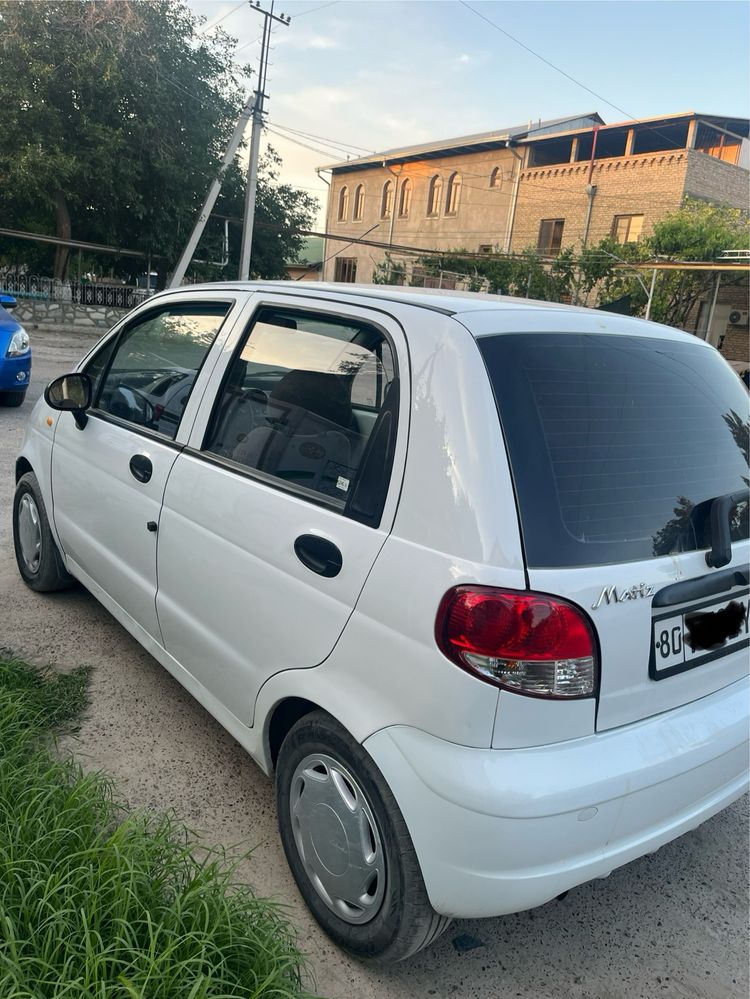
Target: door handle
319, 555
141, 467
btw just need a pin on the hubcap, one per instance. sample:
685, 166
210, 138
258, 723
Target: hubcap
337, 838
30, 532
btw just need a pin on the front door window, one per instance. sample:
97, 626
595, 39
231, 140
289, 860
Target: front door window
154, 364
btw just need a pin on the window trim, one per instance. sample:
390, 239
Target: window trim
116, 338
407, 188
385, 212
453, 193
342, 208
549, 250
434, 196
358, 207
272, 481
629, 216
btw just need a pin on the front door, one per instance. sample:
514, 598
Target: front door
108, 478
275, 514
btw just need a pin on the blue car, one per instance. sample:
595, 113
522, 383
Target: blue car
15, 356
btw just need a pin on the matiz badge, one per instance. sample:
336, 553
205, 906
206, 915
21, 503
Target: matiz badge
612, 595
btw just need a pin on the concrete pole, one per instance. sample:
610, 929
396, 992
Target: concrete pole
651, 295
213, 192
252, 168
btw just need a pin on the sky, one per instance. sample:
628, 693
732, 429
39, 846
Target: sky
368, 75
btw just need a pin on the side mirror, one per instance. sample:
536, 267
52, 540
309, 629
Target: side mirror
71, 393
7, 301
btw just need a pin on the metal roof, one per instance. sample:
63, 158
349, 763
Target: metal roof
466, 143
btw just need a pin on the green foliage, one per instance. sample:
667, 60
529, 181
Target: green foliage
96, 902
115, 120
697, 231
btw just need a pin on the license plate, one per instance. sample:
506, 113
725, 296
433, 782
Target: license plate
698, 634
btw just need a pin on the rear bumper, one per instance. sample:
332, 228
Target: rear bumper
15, 373
498, 831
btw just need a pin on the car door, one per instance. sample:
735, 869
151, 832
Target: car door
275, 513
108, 478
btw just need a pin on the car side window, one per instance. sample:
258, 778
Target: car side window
154, 364
311, 400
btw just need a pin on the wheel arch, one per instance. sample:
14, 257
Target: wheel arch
281, 718
23, 465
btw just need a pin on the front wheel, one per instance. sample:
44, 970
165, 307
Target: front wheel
348, 846
37, 556
12, 398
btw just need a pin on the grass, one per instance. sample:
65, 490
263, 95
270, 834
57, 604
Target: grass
99, 903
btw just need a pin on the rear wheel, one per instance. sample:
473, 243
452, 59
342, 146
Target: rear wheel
348, 846
12, 398
37, 556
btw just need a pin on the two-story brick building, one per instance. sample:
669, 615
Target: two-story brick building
546, 185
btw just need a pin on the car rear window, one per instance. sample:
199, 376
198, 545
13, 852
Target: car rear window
617, 444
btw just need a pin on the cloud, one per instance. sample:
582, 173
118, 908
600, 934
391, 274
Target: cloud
463, 58
315, 97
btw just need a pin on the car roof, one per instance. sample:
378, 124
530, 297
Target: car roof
466, 306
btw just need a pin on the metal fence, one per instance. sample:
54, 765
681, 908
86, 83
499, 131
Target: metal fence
106, 295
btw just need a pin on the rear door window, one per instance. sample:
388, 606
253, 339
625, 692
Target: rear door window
617, 444
310, 403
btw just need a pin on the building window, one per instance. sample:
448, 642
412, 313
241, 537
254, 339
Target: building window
343, 204
404, 201
453, 194
485, 247
359, 202
550, 236
627, 228
433, 196
386, 202
496, 178
345, 269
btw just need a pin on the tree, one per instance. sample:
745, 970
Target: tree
115, 119
698, 231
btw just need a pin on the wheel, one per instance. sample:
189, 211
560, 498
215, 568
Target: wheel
38, 558
12, 398
348, 846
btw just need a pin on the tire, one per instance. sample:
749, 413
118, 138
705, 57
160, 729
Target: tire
321, 765
12, 398
42, 571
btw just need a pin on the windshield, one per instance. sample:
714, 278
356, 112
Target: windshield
617, 444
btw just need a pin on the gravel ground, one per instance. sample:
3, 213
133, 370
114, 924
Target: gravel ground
674, 923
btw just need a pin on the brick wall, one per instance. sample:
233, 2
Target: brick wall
650, 185
482, 215
717, 181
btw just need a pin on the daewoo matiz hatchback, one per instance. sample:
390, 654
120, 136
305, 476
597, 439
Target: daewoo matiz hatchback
469, 575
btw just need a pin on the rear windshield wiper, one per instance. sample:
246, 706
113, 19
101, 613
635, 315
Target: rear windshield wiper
721, 539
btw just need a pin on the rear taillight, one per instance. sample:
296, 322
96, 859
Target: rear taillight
526, 642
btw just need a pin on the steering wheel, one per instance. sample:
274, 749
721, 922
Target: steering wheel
131, 404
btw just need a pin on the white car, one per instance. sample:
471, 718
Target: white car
468, 574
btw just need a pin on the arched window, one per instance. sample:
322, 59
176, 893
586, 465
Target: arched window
496, 177
453, 194
386, 202
343, 204
404, 200
433, 196
359, 202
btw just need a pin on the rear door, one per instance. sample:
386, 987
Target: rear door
275, 513
619, 444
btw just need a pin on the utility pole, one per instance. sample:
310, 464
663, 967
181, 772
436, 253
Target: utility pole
252, 168
213, 192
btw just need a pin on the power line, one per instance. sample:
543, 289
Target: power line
557, 69
210, 27
331, 142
